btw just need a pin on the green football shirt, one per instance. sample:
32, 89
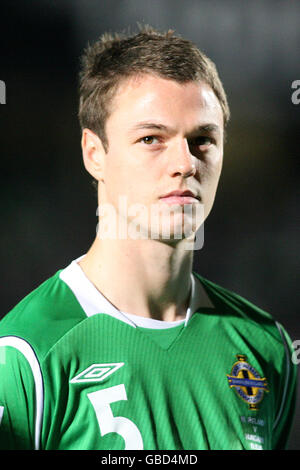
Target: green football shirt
76, 373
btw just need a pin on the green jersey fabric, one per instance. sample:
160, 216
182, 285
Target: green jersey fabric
75, 373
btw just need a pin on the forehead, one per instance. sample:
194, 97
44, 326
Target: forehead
149, 97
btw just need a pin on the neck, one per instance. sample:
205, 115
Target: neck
148, 278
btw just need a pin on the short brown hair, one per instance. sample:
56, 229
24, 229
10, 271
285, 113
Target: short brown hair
115, 57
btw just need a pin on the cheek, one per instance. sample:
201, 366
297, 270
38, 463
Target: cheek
209, 170
124, 180
209, 178
115, 179
217, 168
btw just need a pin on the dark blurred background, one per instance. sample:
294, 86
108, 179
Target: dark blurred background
48, 205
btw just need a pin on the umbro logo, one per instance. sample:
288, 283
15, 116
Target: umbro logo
97, 372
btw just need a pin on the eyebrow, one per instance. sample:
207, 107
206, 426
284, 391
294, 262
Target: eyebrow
151, 125
154, 125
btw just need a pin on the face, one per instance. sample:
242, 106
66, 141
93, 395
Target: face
163, 137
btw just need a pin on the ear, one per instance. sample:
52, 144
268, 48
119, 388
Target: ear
93, 154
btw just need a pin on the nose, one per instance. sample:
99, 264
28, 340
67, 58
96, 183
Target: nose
181, 161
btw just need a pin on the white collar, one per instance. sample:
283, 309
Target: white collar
93, 302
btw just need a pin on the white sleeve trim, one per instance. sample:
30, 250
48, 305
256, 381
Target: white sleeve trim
288, 367
24, 348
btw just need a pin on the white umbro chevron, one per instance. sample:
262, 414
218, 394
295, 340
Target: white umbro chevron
97, 372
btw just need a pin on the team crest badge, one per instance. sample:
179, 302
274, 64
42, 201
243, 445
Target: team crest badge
247, 382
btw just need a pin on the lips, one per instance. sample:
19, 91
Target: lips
180, 197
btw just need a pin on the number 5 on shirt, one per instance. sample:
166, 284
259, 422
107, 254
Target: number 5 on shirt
101, 400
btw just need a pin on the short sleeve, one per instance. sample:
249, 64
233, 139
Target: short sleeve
20, 387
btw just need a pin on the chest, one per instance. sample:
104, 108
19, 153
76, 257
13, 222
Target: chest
129, 389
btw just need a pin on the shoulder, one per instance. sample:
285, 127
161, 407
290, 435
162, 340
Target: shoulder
245, 322
43, 316
236, 308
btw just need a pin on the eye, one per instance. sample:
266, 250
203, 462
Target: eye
201, 141
149, 139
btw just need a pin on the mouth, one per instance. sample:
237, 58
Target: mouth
180, 197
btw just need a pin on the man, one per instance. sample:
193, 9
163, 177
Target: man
127, 348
